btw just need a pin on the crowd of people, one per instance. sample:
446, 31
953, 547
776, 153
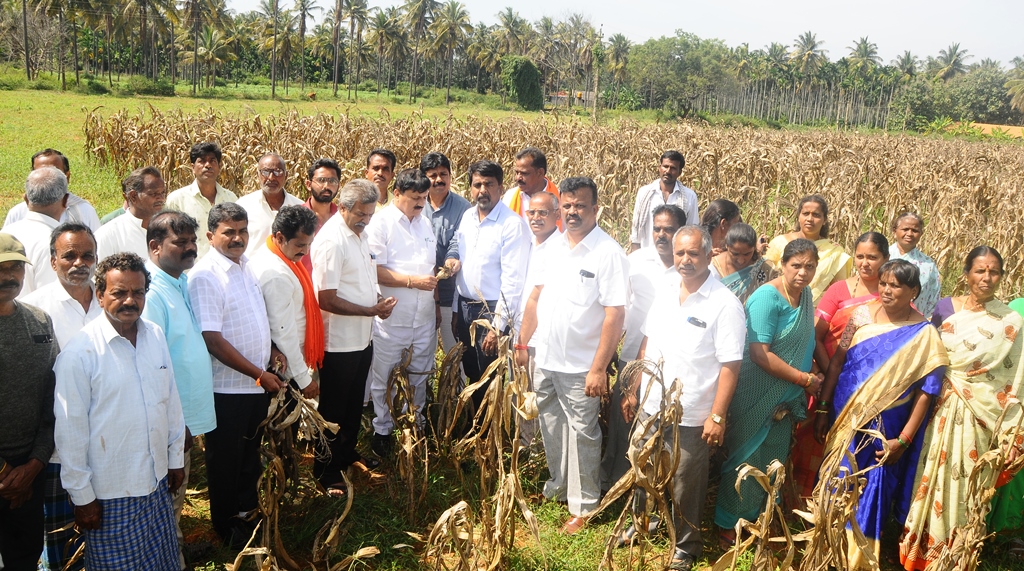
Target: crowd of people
181, 314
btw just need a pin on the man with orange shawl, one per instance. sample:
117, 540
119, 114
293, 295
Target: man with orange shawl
531, 170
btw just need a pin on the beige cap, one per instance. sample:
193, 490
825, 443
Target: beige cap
11, 249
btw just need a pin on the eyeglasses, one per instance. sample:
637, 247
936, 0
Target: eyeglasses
321, 179
541, 213
272, 172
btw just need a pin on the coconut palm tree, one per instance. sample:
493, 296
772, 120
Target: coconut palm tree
951, 62
807, 54
618, 58
382, 26
864, 55
418, 14
357, 13
450, 28
907, 65
304, 9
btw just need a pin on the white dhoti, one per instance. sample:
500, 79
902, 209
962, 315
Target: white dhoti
388, 342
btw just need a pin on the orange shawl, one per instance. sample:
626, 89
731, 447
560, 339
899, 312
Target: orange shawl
314, 321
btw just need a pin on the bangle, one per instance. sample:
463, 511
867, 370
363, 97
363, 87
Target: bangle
408, 281
820, 411
522, 347
807, 381
824, 404
257, 377
902, 442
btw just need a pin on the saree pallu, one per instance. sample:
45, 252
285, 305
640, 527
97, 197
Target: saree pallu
762, 415
746, 281
985, 353
885, 365
834, 264
808, 454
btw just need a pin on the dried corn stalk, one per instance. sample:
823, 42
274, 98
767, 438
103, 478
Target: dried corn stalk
652, 468
412, 457
759, 534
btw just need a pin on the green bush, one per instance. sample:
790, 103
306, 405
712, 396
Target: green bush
92, 87
11, 83
143, 86
43, 84
522, 82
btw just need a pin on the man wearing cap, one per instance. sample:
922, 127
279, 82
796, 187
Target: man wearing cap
46, 194
27, 354
71, 303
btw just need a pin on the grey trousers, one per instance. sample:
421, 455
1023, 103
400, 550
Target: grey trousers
572, 439
689, 484
614, 462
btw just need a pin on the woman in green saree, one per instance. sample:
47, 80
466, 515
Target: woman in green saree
774, 381
739, 266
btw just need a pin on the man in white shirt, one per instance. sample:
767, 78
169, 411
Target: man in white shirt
283, 284
119, 428
404, 248
574, 319
229, 306
710, 319
145, 191
262, 205
380, 170
71, 303
490, 268
172, 251
78, 209
543, 215
650, 269
46, 195
346, 282
198, 198
531, 169
666, 190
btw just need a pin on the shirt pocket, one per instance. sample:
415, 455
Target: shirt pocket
586, 290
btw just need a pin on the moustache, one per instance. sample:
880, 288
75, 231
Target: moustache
661, 241
10, 283
128, 309
189, 254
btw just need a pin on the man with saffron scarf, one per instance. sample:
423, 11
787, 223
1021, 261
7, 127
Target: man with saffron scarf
531, 170
173, 249
296, 326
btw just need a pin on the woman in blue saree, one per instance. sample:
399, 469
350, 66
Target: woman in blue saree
877, 396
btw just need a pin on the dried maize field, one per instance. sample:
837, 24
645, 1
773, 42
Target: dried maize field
968, 192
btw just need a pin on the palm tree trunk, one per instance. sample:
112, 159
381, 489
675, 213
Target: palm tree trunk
74, 46
412, 72
109, 22
337, 33
451, 59
273, 57
60, 51
379, 58
24, 29
195, 49
302, 52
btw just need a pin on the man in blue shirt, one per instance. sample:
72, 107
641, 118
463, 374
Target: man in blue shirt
172, 250
445, 210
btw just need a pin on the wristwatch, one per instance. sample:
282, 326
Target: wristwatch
716, 418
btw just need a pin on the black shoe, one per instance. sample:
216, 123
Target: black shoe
368, 463
626, 537
382, 445
681, 561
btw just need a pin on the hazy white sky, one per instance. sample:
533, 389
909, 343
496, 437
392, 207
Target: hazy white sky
985, 28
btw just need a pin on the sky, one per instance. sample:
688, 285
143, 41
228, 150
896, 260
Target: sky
985, 28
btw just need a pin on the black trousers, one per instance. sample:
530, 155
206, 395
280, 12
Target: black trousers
21, 528
342, 386
233, 463
474, 362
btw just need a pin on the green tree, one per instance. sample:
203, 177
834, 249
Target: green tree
418, 16
807, 55
522, 82
304, 10
951, 62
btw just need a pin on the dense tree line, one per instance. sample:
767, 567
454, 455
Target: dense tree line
420, 43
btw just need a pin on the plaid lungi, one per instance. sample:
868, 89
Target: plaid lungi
58, 513
135, 533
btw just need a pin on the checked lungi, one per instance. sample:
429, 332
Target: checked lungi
58, 514
135, 533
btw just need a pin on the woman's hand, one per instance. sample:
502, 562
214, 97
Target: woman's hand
814, 387
821, 427
896, 450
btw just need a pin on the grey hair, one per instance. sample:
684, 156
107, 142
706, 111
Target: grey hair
284, 163
45, 186
742, 233
705, 238
551, 198
357, 190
